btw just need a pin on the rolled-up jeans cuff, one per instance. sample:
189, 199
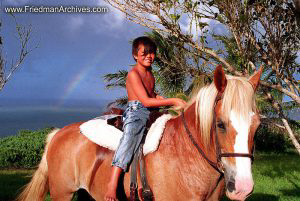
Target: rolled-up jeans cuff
120, 165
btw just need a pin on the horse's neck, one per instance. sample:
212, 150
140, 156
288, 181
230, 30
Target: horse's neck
181, 143
194, 128
178, 156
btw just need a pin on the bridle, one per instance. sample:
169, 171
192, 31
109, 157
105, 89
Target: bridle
218, 166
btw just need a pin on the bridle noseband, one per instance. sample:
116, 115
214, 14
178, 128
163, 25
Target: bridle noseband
218, 166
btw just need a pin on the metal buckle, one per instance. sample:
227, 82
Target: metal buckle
220, 166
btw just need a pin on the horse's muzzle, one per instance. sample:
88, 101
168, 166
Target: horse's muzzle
239, 189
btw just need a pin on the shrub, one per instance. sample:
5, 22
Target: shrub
267, 140
271, 138
24, 150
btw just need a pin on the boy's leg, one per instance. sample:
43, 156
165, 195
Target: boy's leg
134, 126
111, 194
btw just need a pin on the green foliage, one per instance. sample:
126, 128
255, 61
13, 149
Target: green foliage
233, 55
116, 79
267, 139
23, 150
170, 65
271, 138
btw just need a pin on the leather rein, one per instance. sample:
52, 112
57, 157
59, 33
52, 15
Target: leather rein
218, 166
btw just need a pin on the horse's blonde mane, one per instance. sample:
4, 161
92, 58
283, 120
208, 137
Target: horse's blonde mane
238, 97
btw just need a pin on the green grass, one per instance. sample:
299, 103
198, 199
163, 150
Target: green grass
11, 181
276, 176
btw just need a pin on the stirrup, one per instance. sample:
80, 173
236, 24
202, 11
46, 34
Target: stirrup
147, 195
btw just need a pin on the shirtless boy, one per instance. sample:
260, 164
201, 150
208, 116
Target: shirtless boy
140, 84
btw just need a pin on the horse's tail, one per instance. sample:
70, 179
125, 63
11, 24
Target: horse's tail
38, 187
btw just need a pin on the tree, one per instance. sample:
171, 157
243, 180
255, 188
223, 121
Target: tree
116, 80
265, 32
169, 66
277, 19
267, 100
8, 69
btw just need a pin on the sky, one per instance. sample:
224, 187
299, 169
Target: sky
70, 52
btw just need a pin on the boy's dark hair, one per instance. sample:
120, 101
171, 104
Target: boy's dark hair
149, 45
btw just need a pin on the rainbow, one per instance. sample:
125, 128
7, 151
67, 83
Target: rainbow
78, 78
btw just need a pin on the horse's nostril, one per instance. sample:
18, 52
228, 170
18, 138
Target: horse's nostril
231, 186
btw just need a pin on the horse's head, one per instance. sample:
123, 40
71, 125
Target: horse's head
234, 124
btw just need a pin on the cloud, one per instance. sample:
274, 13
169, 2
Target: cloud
76, 22
114, 19
110, 23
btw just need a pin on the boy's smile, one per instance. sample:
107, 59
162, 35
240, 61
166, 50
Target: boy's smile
143, 58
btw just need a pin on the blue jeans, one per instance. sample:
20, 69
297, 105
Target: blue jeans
134, 123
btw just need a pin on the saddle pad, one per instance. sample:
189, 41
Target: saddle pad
98, 131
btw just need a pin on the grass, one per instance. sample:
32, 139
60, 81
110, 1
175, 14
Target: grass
276, 176
11, 181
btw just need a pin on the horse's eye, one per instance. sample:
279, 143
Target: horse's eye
221, 125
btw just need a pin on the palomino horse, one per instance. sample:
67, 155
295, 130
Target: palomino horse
219, 122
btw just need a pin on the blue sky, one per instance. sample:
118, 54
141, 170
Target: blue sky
74, 52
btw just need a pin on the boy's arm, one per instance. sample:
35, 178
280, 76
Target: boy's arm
137, 86
158, 96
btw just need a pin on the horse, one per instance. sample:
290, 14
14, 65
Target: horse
204, 152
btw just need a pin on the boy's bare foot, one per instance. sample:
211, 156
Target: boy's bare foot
110, 198
111, 194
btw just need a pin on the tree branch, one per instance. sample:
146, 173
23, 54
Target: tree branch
24, 35
278, 108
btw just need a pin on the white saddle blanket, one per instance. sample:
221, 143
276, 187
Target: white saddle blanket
98, 131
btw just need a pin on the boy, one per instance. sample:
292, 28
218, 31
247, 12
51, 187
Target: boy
140, 84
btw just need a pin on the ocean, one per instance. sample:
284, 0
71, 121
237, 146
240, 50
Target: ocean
12, 120
28, 117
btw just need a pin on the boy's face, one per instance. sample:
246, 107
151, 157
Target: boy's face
144, 59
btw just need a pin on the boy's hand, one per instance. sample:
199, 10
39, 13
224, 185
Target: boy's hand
179, 103
159, 97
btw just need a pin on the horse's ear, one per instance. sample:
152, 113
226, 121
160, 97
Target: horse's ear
220, 79
255, 78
